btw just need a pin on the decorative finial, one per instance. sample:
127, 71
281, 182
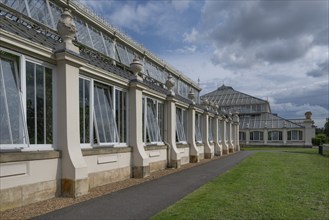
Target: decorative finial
191, 95
66, 27
136, 66
308, 115
170, 83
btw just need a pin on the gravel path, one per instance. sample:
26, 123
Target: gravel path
43, 207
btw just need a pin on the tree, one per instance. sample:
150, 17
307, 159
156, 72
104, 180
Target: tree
326, 128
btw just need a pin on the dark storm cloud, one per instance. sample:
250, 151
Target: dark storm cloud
320, 71
300, 96
272, 31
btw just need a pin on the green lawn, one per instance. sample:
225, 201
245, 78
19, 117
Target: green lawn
289, 184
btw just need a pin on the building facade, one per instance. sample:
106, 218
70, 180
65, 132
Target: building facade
258, 125
82, 105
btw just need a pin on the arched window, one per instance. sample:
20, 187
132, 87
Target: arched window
242, 136
275, 135
256, 136
295, 135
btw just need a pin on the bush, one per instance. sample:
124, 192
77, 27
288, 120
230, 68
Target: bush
319, 139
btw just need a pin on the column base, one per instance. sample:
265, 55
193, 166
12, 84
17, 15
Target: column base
141, 172
208, 155
194, 159
218, 153
175, 164
74, 188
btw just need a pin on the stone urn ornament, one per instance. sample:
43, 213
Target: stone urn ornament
308, 115
136, 66
66, 27
170, 83
191, 95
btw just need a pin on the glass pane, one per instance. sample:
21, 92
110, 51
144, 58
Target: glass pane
198, 136
56, 12
82, 32
18, 5
84, 101
121, 114
97, 40
106, 126
180, 133
122, 54
152, 126
49, 106
39, 11
40, 104
11, 117
30, 101
110, 47
161, 119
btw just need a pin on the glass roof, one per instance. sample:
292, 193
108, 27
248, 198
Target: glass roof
266, 120
227, 96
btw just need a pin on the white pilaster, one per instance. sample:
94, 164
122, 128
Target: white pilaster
223, 133
194, 152
140, 164
174, 159
208, 149
74, 168
217, 144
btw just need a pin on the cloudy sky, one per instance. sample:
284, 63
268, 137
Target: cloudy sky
274, 50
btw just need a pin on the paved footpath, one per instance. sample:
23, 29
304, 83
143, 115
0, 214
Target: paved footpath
147, 199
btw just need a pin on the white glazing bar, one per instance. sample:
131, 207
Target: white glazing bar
44, 107
6, 103
91, 40
51, 15
27, 8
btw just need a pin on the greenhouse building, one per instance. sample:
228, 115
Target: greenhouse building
83, 105
258, 125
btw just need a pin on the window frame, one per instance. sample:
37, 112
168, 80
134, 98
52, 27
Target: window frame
92, 121
274, 136
183, 125
260, 136
198, 126
145, 121
21, 73
299, 135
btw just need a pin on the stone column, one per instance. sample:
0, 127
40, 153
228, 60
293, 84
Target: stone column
174, 159
140, 163
265, 135
217, 145
284, 135
194, 152
309, 131
247, 136
229, 136
74, 180
208, 149
223, 133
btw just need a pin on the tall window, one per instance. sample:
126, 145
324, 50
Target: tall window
210, 130
219, 132
295, 135
242, 136
26, 103
256, 136
181, 125
198, 136
11, 115
153, 120
105, 107
39, 103
84, 100
275, 135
